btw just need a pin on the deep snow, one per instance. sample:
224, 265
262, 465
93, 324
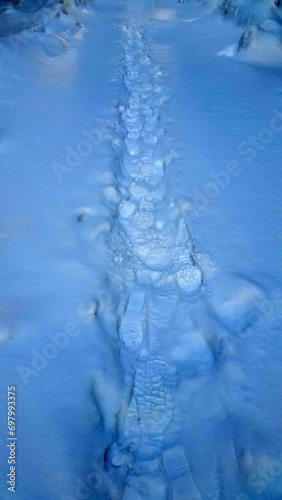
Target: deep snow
141, 250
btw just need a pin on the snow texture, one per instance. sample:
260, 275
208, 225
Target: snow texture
141, 298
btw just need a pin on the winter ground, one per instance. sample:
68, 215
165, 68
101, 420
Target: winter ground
141, 249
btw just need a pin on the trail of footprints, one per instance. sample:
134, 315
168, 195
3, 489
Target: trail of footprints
151, 239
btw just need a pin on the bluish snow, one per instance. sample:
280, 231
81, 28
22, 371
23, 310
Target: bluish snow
140, 234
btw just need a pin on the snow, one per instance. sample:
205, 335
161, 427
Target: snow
141, 232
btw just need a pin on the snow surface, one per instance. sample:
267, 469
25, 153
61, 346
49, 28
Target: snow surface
140, 234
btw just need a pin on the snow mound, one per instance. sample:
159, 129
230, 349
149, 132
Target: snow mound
262, 44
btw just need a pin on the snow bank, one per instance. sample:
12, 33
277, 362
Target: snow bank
260, 43
261, 40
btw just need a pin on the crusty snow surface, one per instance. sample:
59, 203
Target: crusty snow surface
141, 297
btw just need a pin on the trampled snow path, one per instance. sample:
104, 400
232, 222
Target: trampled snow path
155, 269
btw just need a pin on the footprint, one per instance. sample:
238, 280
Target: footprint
130, 331
150, 172
151, 408
179, 475
143, 219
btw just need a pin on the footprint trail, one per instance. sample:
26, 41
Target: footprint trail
152, 245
